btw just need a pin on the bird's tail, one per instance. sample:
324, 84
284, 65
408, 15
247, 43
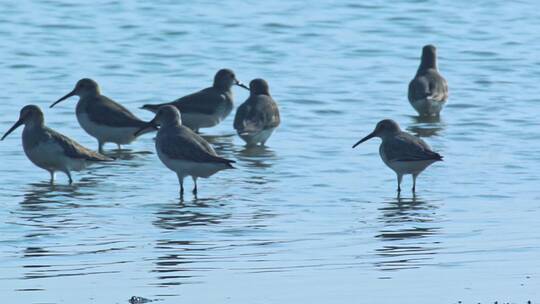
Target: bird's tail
98, 157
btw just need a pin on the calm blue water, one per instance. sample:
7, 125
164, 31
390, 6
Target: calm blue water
307, 219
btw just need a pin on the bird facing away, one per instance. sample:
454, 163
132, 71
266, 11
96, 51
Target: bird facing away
49, 149
428, 91
208, 107
258, 116
102, 117
182, 150
401, 151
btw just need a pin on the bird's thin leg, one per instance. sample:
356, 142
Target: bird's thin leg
69, 177
414, 182
52, 177
100, 147
181, 182
399, 178
195, 185
119, 146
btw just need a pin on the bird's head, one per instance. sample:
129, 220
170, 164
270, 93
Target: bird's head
84, 87
29, 115
384, 128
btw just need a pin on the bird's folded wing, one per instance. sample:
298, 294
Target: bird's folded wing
418, 88
264, 114
206, 101
190, 149
110, 113
73, 149
406, 147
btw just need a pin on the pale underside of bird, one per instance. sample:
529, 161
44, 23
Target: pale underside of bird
428, 90
208, 107
258, 117
49, 149
183, 151
401, 151
103, 118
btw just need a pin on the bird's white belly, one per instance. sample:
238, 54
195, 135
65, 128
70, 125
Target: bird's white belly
50, 156
197, 121
409, 167
252, 138
189, 168
428, 107
118, 135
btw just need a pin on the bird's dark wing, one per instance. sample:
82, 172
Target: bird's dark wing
73, 149
185, 144
257, 113
206, 101
110, 113
406, 147
428, 85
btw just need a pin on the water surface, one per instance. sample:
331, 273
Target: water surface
306, 219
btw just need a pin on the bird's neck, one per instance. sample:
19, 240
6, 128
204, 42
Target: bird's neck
221, 88
37, 123
427, 63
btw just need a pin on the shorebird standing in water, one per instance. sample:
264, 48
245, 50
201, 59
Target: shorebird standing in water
428, 91
208, 107
102, 117
49, 149
182, 150
401, 151
258, 116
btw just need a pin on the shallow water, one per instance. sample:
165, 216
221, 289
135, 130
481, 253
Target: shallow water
307, 219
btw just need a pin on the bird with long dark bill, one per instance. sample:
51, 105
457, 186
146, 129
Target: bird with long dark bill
49, 149
102, 117
208, 107
182, 150
401, 151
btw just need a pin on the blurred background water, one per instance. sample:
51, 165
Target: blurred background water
306, 219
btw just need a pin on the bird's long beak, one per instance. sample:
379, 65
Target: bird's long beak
238, 83
68, 95
151, 124
371, 135
15, 126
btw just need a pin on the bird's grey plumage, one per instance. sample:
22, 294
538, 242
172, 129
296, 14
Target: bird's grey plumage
206, 101
49, 149
428, 90
207, 107
258, 113
102, 117
184, 144
103, 110
183, 151
401, 151
70, 147
406, 147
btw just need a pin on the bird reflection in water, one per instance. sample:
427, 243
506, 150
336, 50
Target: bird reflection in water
126, 154
47, 211
180, 251
426, 126
410, 226
257, 156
